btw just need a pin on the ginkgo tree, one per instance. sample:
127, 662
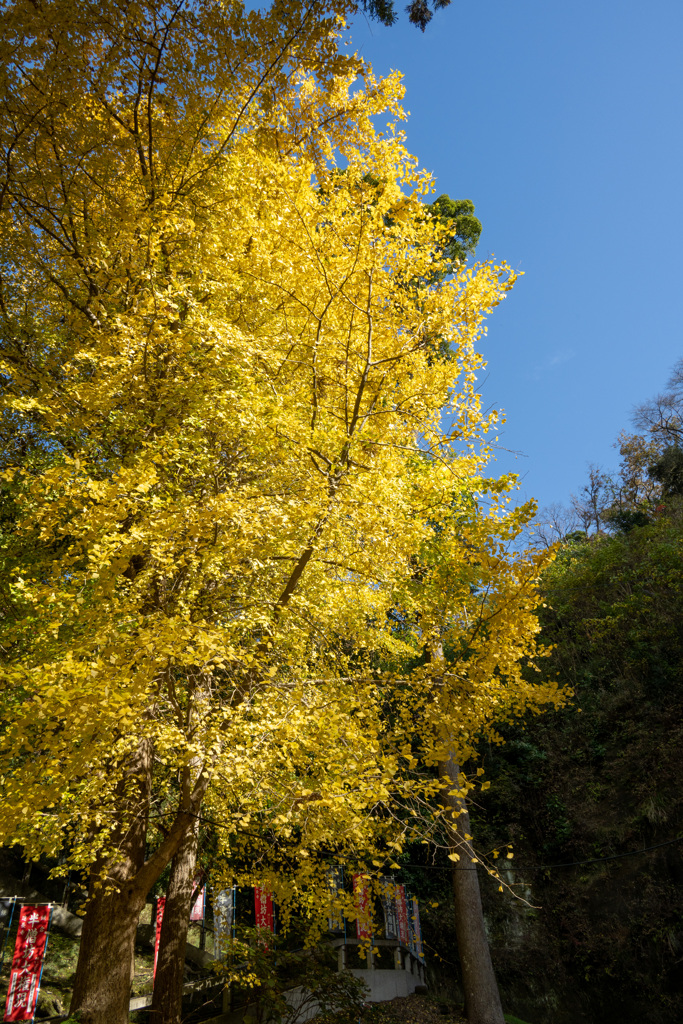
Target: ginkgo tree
243, 450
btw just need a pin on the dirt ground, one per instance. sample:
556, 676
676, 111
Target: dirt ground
410, 1010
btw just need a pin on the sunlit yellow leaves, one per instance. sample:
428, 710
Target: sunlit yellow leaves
258, 491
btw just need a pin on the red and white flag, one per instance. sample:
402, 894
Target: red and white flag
361, 896
27, 963
197, 910
263, 906
161, 904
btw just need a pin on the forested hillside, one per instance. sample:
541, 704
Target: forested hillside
584, 787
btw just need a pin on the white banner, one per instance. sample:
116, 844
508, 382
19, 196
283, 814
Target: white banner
335, 883
388, 898
223, 916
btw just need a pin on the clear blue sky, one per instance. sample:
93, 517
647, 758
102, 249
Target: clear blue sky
562, 122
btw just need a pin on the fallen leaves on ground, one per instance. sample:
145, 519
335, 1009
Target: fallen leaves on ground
409, 1010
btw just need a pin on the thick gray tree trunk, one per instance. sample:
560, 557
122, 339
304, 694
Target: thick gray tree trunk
482, 998
118, 891
168, 984
102, 987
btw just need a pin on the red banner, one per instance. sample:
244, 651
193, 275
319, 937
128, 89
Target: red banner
403, 931
27, 963
361, 894
263, 905
161, 903
197, 911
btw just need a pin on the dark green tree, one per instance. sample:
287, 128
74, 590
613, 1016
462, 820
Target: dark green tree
420, 12
458, 216
598, 779
668, 471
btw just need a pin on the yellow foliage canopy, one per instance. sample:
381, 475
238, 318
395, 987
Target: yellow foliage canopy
252, 501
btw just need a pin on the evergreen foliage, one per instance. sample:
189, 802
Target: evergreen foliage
420, 12
599, 779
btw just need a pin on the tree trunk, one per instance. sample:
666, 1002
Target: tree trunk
168, 983
482, 999
102, 986
119, 888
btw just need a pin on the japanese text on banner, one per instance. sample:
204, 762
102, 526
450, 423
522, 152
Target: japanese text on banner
263, 906
403, 932
388, 898
27, 963
223, 915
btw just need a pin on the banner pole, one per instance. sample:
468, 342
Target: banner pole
202, 935
13, 901
343, 882
42, 966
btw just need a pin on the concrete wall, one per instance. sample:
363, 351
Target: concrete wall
383, 985
301, 1000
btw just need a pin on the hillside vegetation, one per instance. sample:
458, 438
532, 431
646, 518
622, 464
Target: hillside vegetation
593, 782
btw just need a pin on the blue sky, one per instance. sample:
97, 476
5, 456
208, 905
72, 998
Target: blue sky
562, 122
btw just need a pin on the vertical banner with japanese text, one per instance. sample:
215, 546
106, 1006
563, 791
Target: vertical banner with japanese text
335, 884
388, 898
161, 903
223, 916
361, 896
27, 963
415, 928
402, 913
197, 909
263, 907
